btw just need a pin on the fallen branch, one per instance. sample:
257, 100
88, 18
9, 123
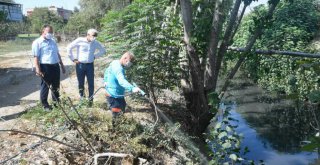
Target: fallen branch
272, 52
44, 137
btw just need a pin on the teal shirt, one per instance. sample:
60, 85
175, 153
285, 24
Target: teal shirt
116, 81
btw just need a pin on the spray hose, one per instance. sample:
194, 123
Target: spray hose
143, 94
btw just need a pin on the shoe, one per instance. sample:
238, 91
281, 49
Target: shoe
55, 104
47, 109
90, 104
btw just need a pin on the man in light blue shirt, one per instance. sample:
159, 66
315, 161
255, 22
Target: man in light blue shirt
47, 60
84, 58
116, 83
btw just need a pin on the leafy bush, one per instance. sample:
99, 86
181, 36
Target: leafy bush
224, 142
151, 31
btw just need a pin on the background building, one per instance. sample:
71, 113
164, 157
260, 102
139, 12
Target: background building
13, 11
64, 13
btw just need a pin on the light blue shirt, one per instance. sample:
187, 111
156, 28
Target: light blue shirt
116, 81
46, 50
86, 51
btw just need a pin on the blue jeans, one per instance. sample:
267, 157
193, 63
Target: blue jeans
51, 79
85, 70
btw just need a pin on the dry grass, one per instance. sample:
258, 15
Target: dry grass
14, 46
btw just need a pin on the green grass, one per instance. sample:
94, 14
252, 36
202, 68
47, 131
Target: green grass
28, 35
15, 46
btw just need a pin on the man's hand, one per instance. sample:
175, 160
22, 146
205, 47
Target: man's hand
63, 69
38, 72
136, 89
76, 61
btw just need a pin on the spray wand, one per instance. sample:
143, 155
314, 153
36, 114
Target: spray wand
151, 101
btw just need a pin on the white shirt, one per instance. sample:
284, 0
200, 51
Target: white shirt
85, 50
46, 50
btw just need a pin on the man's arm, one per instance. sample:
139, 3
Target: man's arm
36, 54
105, 76
70, 47
37, 65
122, 81
101, 50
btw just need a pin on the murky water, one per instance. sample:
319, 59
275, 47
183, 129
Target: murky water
274, 147
273, 128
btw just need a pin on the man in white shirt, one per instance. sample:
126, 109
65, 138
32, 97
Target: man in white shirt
84, 58
47, 60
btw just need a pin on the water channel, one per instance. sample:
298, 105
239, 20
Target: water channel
273, 129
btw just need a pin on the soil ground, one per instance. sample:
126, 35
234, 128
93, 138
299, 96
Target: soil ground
19, 91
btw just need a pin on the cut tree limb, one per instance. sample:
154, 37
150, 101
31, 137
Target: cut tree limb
257, 33
280, 52
44, 137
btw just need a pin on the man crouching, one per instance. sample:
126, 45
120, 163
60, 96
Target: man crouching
116, 84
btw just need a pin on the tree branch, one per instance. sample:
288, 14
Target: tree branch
280, 52
186, 12
238, 21
217, 22
223, 48
250, 43
44, 137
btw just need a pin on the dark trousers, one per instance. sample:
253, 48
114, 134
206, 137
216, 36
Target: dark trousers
85, 70
116, 103
51, 79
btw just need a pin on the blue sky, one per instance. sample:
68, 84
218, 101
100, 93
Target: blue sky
67, 4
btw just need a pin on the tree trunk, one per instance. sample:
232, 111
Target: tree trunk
217, 22
225, 43
197, 103
239, 21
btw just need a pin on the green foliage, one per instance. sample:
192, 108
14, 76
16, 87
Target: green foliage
42, 16
294, 25
91, 14
224, 142
9, 28
3, 16
77, 23
213, 100
151, 31
313, 145
12, 28
314, 96
202, 20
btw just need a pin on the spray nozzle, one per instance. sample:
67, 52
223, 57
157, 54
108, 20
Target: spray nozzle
141, 91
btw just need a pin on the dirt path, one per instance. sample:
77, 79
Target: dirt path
19, 86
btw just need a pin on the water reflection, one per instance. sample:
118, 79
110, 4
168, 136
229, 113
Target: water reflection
275, 136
